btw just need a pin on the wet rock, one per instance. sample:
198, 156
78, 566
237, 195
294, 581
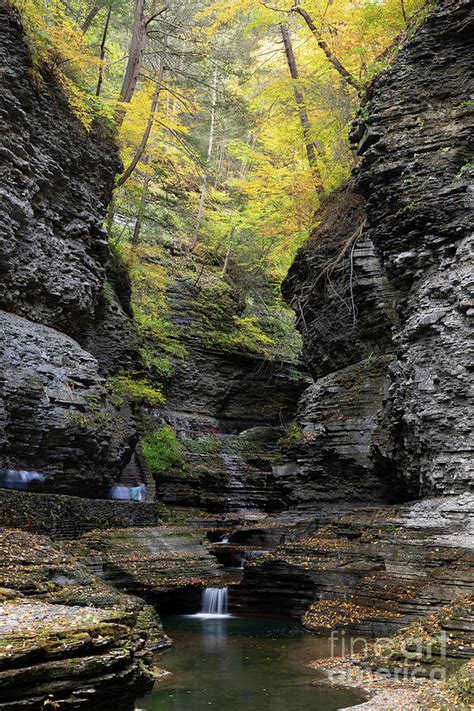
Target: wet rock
66, 635
150, 562
227, 473
330, 464
370, 571
55, 417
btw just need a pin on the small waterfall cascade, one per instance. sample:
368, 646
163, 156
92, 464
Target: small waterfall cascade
232, 466
214, 602
247, 556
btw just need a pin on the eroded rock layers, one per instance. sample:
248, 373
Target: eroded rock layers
383, 294
387, 277
56, 181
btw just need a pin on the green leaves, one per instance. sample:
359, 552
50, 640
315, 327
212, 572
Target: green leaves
162, 451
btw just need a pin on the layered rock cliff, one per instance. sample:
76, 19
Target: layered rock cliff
227, 395
67, 637
386, 280
382, 292
63, 323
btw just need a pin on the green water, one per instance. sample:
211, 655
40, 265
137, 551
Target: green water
243, 664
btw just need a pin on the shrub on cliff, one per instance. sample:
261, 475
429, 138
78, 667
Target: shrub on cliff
136, 390
162, 451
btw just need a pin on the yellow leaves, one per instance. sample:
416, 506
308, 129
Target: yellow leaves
328, 614
249, 333
223, 11
169, 129
58, 42
68, 50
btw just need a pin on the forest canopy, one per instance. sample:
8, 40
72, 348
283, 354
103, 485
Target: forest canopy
232, 117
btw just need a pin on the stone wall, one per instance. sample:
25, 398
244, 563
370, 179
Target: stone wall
70, 516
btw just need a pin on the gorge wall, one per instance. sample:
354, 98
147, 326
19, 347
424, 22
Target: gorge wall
384, 288
381, 292
383, 296
61, 329
227, 399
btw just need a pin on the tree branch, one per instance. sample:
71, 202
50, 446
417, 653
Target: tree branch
345, 74
146, 135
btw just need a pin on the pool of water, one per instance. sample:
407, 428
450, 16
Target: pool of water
243, 664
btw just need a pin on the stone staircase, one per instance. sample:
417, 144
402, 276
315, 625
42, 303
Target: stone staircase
135, 471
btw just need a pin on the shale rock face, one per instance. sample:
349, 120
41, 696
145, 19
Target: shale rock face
225, 402
382, 293
57, 284
228, 473
372, 570
48, 383
56, 179
329, 464
415, 152
390, 269
66, 636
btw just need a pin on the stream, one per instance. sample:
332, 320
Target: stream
243, 664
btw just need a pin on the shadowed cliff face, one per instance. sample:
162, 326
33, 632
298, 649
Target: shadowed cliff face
387, 276
56, 180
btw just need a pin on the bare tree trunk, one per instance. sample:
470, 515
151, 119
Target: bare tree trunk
228, 253
208, 165
312, 146
141, 211
404, 12
221, 153
90, 17
346, 75
146, 134
109, 220
100, 78
135, 57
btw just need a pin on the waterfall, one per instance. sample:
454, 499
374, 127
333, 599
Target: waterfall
246, 557
214, 602
232, 466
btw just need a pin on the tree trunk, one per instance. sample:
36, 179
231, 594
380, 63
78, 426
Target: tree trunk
146, 134
404, 12
312, 147
346, 75
208, 165
109, 221
221, 154
102, 52
141, 211
135, 57
228, 253
89, 18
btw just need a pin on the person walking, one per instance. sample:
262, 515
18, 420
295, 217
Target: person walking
138, 492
